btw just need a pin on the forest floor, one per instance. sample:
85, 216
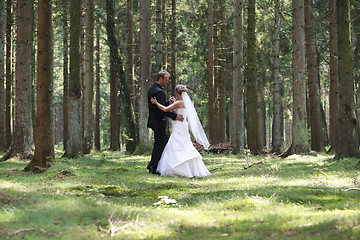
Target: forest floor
110, 195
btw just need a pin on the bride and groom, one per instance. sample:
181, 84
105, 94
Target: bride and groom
174, 156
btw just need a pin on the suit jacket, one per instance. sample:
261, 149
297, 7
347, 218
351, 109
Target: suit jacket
157, 118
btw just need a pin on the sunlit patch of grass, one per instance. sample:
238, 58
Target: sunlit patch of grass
111, 194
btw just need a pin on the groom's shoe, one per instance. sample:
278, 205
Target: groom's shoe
154, 172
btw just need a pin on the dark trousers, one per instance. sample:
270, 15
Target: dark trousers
161, 138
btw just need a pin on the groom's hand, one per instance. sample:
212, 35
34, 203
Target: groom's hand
180, 117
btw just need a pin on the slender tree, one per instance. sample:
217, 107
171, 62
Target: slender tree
114, 114
65, 73
89, 79
74, 117
318, 128
130, 49
211, 73
97, 90
120, 75
23, 129
44, 147
237, 136
145, 30
222, 74
278, 121
334, 79
300, 142
158, 36
9, 75
348, 146
173, 36
2, 76
252, 117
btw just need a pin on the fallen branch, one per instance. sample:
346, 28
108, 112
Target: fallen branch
23, 230
42, 230
254, 164
351, 189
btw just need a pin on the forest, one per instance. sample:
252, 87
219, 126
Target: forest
275, 84
75, 74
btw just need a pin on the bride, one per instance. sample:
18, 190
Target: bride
180, 157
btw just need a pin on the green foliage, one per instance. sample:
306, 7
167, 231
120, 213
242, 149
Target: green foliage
111, 195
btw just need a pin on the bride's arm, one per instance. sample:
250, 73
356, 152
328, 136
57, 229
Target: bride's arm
172, 106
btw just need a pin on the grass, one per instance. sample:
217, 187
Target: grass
110, 195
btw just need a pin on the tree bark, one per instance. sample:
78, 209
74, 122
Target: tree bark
144, 141
252, 119
65, 74
89, 79
158, 36
114, 116
318, 130
211, 73
97, 89
300, 142
348, 124
173, 36
23, 129
278, 121
120, 75
222, 74
74, 118
2, 76
334, 79
9, 74
237, 136
44, 147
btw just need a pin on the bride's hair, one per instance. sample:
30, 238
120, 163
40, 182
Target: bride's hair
180, 88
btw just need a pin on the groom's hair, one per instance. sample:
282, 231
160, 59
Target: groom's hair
162, 74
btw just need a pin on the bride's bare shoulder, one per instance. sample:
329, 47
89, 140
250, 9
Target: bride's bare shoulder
179, 104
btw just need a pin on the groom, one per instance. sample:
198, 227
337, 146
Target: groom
157, 118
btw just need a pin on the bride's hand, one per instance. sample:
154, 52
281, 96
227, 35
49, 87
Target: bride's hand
153, 100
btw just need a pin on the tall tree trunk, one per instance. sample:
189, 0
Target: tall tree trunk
114, 116
23, 129
44, 146
120, 75
74, 118
158, 36
300, 142
164, 36
278, 121
65, 74
222, 74
173, 37
252, 119
237, 136
9, 75
144, 141
349, 143
211, 73
334, 79
130, 50
318, 130
97, 89
261, 129
89, 79
2, 76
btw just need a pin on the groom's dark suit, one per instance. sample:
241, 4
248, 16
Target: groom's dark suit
157, 122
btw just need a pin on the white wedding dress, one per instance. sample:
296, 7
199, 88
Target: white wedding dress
180, 157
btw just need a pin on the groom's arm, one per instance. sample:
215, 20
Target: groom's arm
161, 98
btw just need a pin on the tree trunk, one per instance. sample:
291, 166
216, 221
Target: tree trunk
9, 75
2, 76
348, 146
89, 79
130, 51
252, 119
318, 130
211, 74
144, 141
237, 136
278, 121
23, 129
158, 36
120, 75
97, 89
173, 37
65, 73
334, 79
300, 143
74, 118
222, 74
114, 116
44, 147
